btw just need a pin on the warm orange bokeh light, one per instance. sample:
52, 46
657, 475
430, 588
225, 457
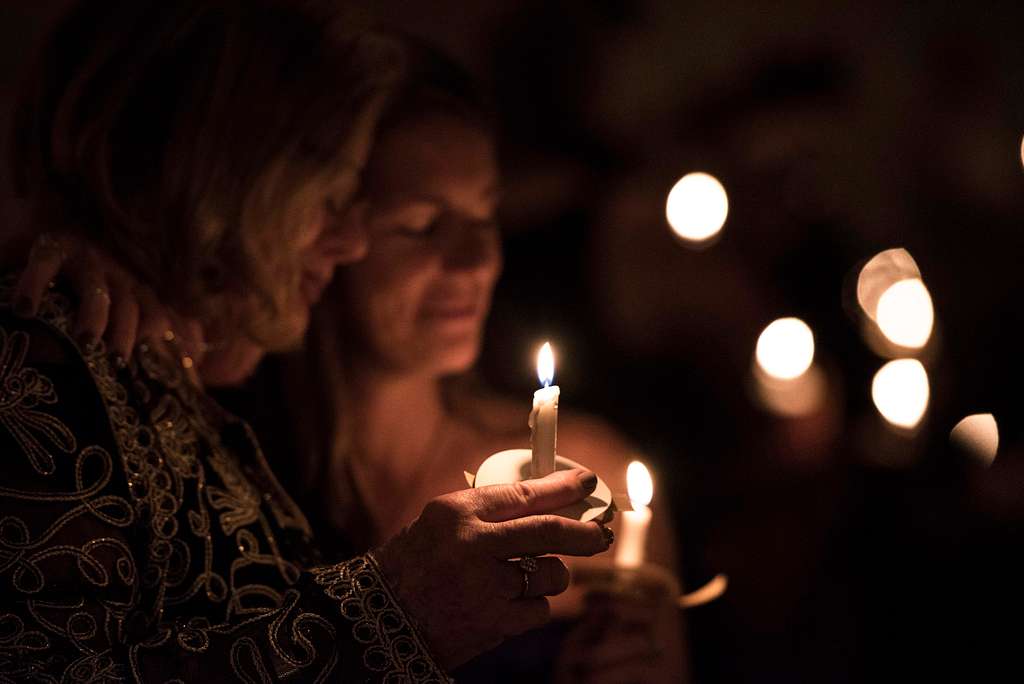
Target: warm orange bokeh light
979, 435
900, 391
905, 314
785, 349
697, 207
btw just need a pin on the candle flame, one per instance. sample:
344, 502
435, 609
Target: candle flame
546, 365
639, 484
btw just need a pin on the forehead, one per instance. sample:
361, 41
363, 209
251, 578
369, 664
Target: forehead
433, 154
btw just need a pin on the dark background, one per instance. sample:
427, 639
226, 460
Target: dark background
854, 552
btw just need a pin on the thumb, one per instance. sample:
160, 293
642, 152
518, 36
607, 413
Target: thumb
498, 503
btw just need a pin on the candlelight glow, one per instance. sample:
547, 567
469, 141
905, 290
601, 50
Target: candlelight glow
800, 396
900, 392
697, 207
639, 484
880, 273
979, 435
546, 364
785, 349
905, 314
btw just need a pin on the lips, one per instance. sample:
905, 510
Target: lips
451, 308
451, 311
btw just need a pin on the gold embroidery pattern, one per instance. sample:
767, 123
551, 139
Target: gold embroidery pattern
393, 645
22, 390
171, 537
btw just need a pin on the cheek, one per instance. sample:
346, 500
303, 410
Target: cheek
388, 288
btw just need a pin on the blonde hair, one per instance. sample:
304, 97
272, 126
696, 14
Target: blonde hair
194, 138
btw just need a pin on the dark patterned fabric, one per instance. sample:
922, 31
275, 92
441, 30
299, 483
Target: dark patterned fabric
144, 538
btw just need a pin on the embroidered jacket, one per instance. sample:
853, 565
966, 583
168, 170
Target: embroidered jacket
144, 538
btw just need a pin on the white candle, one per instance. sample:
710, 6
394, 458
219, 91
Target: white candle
630, 545
544, 416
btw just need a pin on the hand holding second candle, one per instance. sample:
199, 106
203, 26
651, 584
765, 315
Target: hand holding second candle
451, 568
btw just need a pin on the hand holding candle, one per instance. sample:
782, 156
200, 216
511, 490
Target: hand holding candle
630, 547
544, 417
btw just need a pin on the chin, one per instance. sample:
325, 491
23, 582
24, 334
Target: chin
286, 333
454, 358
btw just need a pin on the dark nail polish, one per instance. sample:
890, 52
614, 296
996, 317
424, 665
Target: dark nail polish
589, 482
609, 536
24, 308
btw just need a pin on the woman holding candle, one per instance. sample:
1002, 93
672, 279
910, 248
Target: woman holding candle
381, 399
212, 147
396, 334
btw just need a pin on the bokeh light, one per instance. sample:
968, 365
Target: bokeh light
697, 207
785, 349
978, 434
800, 396
881, 272
900, 391
905, 314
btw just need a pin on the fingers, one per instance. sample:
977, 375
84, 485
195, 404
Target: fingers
598, 650
626, 611
531, 497
154, 318
124, 322
619, 648
89, 277
550, 578
189, 339
540, 535
44, 263
526, 614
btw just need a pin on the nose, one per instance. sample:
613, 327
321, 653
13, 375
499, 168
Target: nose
347, 240
475, 247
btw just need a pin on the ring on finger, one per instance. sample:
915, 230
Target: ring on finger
528, 564
101, 292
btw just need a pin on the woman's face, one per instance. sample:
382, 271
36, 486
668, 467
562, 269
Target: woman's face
419, 299
329, 235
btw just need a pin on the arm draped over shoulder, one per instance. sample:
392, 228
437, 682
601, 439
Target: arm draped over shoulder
144, 538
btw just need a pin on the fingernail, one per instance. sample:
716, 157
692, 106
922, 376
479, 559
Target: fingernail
588, 480
23, 307
609, 536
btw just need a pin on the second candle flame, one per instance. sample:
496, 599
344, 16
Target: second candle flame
546, 365
639, 484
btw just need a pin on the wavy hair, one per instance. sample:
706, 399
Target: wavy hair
193, 139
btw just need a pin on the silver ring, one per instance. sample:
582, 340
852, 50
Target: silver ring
528, 564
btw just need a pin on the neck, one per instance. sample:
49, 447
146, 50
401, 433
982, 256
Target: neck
396, 416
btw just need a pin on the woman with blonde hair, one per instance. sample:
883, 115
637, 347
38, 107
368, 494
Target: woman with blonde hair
213, 149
